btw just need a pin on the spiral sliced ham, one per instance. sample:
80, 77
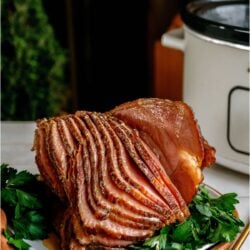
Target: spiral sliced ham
123, 174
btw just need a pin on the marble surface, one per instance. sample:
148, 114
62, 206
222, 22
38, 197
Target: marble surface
16, 150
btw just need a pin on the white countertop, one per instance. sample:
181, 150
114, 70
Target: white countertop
17, 141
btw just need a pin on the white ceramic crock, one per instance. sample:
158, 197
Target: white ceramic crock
216, 86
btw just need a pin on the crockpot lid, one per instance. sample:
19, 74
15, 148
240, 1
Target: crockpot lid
224, 20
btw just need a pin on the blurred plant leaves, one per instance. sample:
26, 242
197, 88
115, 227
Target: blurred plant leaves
33, 64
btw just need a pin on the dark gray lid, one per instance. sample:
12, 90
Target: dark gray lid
224, 20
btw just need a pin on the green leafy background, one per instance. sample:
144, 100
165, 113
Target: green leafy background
33, 65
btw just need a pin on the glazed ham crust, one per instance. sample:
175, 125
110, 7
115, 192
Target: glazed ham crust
172, 132
123, 174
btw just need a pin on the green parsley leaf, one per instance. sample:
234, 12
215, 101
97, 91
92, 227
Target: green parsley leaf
9, 196
158, 242
204, 209
20, 179
31, 226
224, 232
36, 231
183, 231
175, 246
35, 217
28, 200
17, 243
225, 202
20, 228
19, 210
6, 174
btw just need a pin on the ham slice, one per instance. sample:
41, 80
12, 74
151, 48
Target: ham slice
123, 174
148, 169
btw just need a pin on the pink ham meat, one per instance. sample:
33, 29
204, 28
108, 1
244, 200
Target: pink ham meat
123, 174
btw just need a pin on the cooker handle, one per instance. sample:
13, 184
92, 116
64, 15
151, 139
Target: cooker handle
174, 39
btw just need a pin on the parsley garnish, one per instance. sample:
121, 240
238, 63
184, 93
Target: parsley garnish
23, 206
212, 220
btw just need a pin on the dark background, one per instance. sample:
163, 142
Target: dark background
110, 47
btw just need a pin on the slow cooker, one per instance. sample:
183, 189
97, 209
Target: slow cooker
215, 42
